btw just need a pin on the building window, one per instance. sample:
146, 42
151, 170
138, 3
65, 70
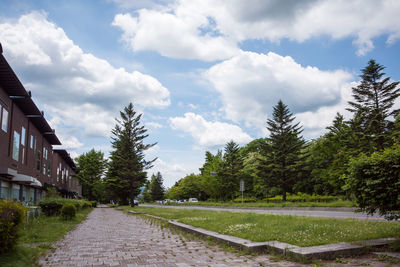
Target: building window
4, 120
31, 142
23, 137
15, 154
15, 192
49, 168
5, 190
39, 160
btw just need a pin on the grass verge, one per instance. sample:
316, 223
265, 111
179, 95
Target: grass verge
296, 230
333, 204
36, 238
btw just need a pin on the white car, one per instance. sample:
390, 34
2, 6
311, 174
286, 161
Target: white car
193, 199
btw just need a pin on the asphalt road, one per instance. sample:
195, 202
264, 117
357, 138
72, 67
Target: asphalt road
338, 213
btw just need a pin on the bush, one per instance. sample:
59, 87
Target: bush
300, 197
52, 206
12, 215
68, 211
51, 192
245, 200
375, 182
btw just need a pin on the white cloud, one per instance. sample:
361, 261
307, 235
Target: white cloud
211, 29
315, 122
193, 106
172, 172
69, 142
173, 35
209, 134
153, 125
250, 84
78, 89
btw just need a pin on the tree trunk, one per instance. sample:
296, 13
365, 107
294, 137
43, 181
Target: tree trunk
283, 194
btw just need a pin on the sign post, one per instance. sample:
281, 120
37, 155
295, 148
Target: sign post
242, 188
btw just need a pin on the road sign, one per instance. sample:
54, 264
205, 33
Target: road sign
241, 185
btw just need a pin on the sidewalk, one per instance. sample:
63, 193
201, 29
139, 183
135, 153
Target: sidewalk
112, 238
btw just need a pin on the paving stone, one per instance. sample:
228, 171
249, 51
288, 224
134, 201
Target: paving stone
112, 238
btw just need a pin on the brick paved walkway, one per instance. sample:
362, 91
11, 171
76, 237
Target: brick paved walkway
112, 238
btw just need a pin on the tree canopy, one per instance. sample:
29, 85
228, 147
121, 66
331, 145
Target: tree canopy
91, 167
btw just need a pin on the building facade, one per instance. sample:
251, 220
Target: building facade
28, 163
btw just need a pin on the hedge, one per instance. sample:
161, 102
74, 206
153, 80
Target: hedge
52, 206
300, 197
245, 200
12, 215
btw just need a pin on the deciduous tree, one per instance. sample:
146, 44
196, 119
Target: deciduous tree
91, 167
156, 187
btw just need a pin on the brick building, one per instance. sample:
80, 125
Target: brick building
28, 163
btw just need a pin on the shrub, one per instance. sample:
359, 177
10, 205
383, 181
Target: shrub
52, 206
301, 197
68, 211
93, 203
51, 192
245, 200
375, 182
12, 215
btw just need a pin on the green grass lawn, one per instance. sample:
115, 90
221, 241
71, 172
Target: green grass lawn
338, 203
296, 230
42, 229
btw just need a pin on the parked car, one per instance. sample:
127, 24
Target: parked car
165, 201
193, 199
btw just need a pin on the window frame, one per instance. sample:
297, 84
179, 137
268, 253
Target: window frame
2, 120
16, 149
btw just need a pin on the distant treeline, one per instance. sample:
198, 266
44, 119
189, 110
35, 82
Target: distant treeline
285, 163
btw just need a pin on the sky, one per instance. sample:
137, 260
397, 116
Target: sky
202, 72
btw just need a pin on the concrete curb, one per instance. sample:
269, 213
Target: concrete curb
325, 252
265, 208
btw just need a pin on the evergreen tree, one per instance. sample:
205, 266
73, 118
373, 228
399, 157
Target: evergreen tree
156, 187
373, 102
230, 171
283, 158
91, 167
127, 170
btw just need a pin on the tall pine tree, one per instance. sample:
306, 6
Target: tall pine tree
127, 168
374, 98
230, 171
283, 158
